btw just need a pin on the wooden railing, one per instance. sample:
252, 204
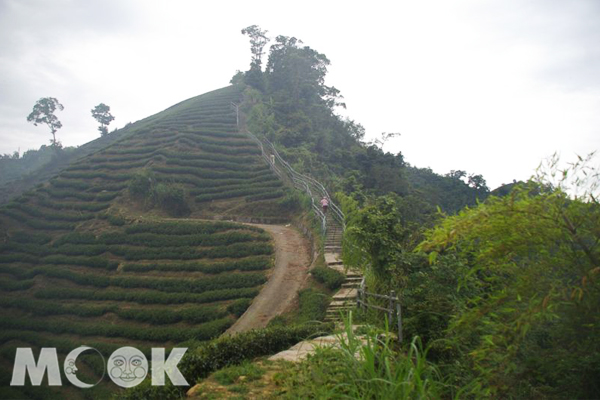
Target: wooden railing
393, 310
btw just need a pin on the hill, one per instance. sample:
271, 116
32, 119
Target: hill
97, 254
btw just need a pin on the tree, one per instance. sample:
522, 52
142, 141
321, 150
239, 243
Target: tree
101, 113
477, 182
298, 74
526, 319
43, 113
258, 40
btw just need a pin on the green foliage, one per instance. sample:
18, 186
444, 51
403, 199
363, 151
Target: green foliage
187, 228
30, 237
141, 184
34, 222
43, 308
168, 196
225, 281
364, 367
329, 277
146, 296
206, 331
313, 305
239, 307
254, 263
226, 351
11, 286
43, 113
229, 375
525, 320
231, 350
171, 199
163, 316
101, 113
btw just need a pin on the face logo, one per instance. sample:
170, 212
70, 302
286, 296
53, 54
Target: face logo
127, 367
70, 367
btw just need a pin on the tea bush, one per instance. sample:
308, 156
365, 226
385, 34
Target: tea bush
145, 296
329, 277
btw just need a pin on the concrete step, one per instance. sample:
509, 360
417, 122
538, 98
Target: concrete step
345, 293
347, 285
340, 310
332, 259
341, 303
333, 247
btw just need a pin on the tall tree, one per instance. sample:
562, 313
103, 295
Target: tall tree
43, 113
101, 113
298, 74
258, 40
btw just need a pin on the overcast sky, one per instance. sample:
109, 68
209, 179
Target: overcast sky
490, 87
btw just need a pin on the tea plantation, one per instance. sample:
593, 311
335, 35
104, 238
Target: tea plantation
117, 250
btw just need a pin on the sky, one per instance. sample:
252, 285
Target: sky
490, 87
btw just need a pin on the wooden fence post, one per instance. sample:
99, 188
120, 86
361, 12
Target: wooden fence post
399, 316
391, 308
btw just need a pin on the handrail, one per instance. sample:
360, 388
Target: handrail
298, 180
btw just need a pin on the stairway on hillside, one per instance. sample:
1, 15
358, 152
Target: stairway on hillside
345, 298
333, 235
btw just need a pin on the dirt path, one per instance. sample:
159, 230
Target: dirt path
292, 259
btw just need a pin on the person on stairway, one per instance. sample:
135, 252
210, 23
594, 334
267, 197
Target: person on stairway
324, 204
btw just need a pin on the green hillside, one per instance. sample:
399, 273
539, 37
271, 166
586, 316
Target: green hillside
96, 256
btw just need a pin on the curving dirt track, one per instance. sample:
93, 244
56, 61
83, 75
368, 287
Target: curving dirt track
292, 261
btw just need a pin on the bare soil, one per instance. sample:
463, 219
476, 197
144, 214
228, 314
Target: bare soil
292, 261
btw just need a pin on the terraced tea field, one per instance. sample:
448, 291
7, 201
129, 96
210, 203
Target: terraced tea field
82, 261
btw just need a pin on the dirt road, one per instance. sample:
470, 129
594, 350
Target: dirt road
292, 260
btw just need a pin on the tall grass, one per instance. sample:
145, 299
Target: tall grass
368, 366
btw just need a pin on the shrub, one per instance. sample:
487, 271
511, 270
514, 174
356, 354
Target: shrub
255, 263
161, 316
329, 277
145, 296
30, 237
10, 285
141, 184
239, 307
187, 228
171, 199
265, 196
313, 305
204, 331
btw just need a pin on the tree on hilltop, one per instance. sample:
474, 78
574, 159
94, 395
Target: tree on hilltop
258, 41
101, 113
43, 113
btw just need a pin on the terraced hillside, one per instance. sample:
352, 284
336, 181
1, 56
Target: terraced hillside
85, 260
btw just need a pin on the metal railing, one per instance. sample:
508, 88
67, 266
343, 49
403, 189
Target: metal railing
305, 183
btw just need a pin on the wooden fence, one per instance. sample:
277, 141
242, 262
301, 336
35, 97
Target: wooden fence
394, 308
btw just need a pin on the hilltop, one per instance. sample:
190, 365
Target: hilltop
122, 247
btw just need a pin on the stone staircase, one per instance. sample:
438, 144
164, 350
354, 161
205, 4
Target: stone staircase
333, 236
345, 299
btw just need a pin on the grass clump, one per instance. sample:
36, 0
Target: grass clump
370, 366
230, 375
